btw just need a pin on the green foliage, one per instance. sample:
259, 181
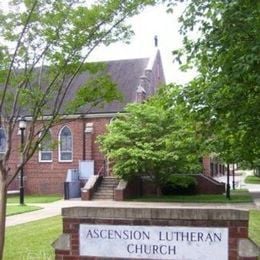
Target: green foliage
180, 184
152, 139
221, 39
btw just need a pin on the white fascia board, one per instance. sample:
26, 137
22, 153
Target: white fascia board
97, 115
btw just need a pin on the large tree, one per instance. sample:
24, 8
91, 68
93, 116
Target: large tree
44, 46
153, 139
222, 41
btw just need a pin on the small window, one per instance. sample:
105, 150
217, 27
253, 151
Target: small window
45, 153
65, 145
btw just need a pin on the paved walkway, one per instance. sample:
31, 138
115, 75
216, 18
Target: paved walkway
240, 176
54, 208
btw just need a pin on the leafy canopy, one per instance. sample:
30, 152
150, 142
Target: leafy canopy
221, 39
152, 139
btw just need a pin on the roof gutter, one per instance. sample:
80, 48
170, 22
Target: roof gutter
78, 116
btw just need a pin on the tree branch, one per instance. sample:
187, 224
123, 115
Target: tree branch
15, 53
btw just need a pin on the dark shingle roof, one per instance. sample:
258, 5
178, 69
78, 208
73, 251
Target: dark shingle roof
129, 75
125, 73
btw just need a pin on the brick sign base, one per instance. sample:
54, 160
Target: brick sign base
154, 233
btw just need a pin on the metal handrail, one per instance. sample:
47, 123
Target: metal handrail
100, 171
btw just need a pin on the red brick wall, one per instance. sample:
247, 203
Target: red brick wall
206, 165
49, 177
99, 129
208, 186
205, 186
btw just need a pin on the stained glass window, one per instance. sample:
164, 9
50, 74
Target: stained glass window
65, 144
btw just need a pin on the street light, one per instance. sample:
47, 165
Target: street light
233, 173
228, 185
22, 127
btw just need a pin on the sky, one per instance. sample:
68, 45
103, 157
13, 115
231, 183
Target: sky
152, 21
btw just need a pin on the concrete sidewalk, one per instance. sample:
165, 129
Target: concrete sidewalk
240, 176
239, 179
54, 208
48, 210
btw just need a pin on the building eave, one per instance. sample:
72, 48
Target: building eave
78, 116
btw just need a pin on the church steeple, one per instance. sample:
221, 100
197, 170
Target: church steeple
156, 41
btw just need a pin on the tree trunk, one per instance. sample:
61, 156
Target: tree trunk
3, 193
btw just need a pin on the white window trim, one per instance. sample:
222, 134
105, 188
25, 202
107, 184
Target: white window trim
40, 152
45, 161
59, 150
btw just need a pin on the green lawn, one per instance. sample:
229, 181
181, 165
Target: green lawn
34, 198
32, 240
254, 226
252, 180
17, 209
237, 196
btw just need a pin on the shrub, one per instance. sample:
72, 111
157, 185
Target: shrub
180, 184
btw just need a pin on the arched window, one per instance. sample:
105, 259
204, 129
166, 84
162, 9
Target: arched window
2, 141
65, 145
45, 153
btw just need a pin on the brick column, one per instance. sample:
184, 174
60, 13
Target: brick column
89, 130
206, 165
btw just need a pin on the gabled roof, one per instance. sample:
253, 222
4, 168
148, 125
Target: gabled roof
126, 74
129, 75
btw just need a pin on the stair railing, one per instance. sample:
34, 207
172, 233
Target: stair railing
102, 169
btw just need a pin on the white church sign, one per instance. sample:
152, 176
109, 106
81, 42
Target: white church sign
154, 242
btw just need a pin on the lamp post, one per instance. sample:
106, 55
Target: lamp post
233, 173
22, 127
228, 185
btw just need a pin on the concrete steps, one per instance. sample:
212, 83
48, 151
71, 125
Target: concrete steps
105, 191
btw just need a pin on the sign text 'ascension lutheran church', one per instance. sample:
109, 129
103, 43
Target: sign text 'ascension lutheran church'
148, 242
